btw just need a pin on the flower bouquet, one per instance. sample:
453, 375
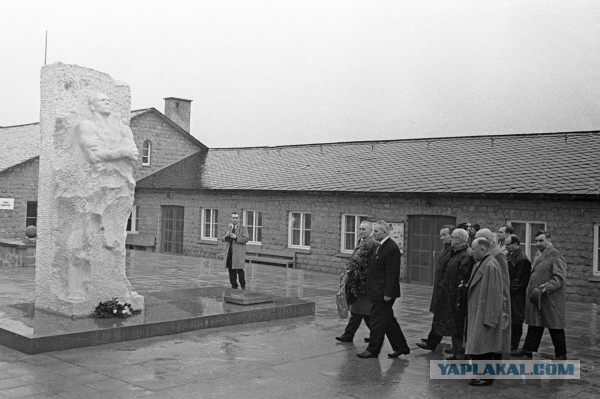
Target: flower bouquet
114, 309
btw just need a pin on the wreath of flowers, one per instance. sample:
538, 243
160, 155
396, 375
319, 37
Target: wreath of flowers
356, 283
114, 309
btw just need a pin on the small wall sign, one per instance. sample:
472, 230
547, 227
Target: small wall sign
7, 204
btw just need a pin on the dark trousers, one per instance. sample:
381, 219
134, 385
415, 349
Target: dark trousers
486, 356
383, 323
434, 339
534, 337
354, 323
516, 331
234, 274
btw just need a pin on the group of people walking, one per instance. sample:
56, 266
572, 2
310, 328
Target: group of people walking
482, 294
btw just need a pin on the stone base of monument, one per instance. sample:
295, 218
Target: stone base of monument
247, 298
166, 312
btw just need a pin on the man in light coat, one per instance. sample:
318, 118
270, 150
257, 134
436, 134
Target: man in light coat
497, 253
360, 308
547, 286
484, 307
236, 238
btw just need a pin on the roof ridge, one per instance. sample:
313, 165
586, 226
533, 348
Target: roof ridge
425, 139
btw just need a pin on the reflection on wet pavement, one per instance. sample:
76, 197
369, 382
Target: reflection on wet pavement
285, 358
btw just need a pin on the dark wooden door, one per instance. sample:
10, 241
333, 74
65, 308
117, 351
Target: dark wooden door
172, 230
424, 246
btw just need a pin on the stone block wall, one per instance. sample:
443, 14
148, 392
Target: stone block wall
20, 183
570, 222
15, 253
168, 144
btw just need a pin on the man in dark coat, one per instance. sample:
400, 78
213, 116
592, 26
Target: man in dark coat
546, 299
458, 273
383, 287
441, 308
355, 281
519, 269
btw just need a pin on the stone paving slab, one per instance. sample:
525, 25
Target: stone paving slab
293, 358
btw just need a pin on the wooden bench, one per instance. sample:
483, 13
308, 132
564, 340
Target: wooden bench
271, 257
147, 242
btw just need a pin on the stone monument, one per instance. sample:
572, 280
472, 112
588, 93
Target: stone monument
85, 191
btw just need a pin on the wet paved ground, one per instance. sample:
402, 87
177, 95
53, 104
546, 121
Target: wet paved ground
295, 358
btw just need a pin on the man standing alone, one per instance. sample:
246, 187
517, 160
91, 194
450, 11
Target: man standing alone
236, 237
383, 287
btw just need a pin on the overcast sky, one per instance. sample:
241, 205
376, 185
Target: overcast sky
292, 72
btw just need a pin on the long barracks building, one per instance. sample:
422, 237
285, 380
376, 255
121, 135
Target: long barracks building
306, 201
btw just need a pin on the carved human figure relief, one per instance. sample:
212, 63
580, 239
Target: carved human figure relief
104, 138
97, 207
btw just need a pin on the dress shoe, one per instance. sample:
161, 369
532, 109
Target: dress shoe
366, 355
424, 340
425, 345
449, 350
397, 353
523, 353
344, 338
562, 357
367, 339
481, 383
453, 357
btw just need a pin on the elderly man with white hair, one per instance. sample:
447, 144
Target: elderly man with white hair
449, 318
503, 264
458, 273
484, 303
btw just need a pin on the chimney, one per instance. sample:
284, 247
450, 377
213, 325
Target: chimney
178, 110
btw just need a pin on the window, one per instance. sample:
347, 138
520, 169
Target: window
350, 225
210, 220
299, 230
526, 231
253, 221
133, 222
31, 218
146, 151
597, 249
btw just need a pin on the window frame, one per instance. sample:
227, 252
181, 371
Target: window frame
27, 217
214, 229
254, 228
146, 152
357, 222
527, 241
596, 256
302, 229
134, 218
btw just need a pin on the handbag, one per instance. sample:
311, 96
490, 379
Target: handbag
342, 304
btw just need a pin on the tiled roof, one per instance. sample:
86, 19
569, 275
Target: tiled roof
547, 163
137, 112
18, 144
